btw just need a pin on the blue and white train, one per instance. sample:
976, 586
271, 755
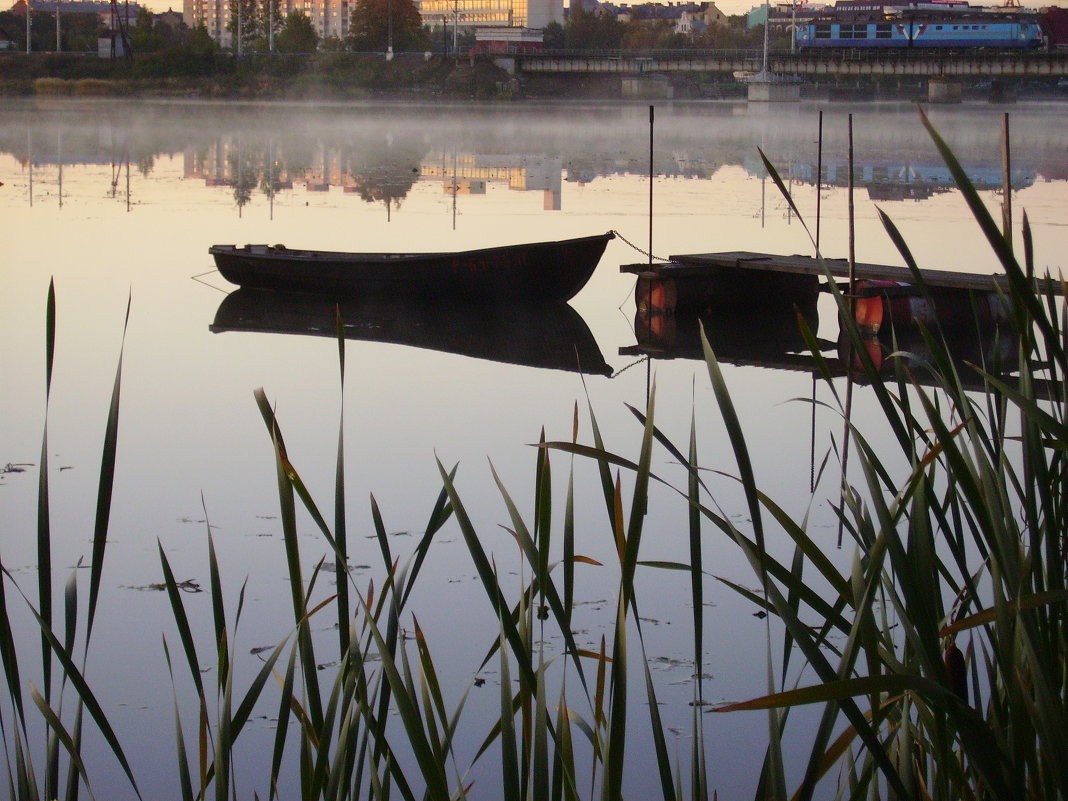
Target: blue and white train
911, 27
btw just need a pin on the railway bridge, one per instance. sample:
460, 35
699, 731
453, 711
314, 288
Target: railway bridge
944, 69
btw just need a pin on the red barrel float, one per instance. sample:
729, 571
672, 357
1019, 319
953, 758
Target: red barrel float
969, 320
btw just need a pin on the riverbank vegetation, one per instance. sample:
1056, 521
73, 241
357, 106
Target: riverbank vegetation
939, 654
271, 55
326, 75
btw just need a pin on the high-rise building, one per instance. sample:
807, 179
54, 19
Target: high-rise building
492, 13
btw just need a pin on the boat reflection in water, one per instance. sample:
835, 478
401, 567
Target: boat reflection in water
552, 336
893, 317
764, 337
770, 337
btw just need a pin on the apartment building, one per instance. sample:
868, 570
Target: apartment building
331, 17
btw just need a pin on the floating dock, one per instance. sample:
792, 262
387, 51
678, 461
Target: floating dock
749, 304
703, 281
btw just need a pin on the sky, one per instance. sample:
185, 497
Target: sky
159, 6
726, 6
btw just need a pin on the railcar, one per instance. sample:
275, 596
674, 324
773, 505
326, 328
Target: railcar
909, 28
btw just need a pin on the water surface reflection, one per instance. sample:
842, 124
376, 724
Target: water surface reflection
118, 200
379, 156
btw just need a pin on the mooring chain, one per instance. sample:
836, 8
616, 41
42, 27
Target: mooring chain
645, 253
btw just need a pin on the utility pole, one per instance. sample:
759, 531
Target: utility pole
389, 31
59, 46
793, 27
27, 27
767, 25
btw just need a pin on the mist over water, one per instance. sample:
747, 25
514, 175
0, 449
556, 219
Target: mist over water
119, 201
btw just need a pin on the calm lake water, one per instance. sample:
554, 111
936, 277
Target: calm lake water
119, 202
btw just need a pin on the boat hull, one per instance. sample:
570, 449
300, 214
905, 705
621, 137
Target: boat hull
535, 272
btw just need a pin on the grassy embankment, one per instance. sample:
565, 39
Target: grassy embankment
182, 74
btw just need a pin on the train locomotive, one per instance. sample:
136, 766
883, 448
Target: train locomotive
919, 27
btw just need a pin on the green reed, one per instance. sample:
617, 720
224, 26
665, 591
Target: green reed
62, 668
938, 655
969, 547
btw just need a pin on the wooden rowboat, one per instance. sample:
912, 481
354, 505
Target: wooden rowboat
535, 272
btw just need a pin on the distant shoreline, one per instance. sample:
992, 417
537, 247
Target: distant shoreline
346, 77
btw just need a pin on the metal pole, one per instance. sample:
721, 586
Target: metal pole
849, 350
650, 184
1006, 182
29, 152
767, 26
819, 179
59, 46
793, 28
270, 175
27, 26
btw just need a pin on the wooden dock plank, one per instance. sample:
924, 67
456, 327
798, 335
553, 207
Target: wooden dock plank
698, 264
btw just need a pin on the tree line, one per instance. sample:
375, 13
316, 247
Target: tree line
258, 26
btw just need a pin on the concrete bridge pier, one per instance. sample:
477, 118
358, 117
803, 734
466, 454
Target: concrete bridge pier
769, 91
943, 90
648, 87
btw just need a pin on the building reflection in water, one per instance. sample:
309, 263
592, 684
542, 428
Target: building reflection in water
906, 179
381, 165
230, 162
